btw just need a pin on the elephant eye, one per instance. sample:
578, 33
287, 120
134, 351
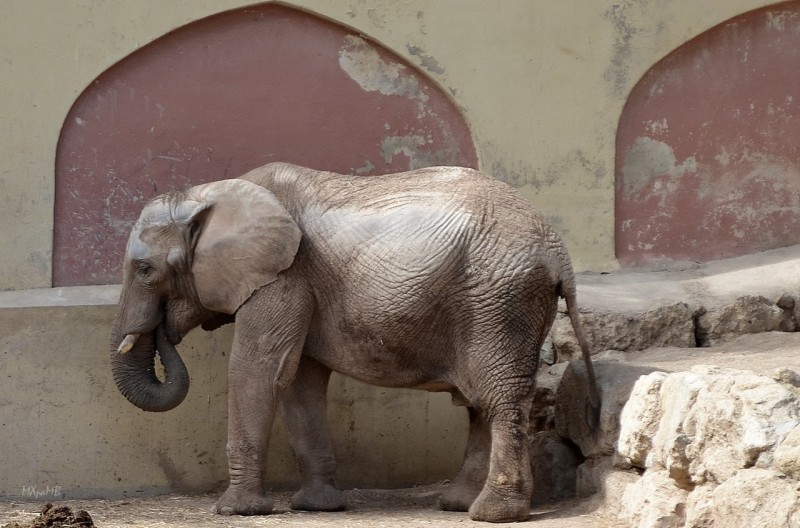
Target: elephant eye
144, 269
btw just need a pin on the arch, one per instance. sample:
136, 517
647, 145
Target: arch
707, 153
220, 96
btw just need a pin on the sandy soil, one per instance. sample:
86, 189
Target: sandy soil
373, 508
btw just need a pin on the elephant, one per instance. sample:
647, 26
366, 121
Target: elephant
439, 279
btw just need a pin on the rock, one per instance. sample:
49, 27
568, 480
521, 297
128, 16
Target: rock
654, 502
700, 507
599, 478
598, 475
542, 415
615, 381
757, 497
554, 464
750, 314
640, 420
737, 421
787, 455
591, 475
788, 378
788, 303
668, 325
706, 424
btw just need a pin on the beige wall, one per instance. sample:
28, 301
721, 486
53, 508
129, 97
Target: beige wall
65, 425
541, 83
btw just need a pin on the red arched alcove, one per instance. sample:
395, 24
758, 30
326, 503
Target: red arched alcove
228, 93
708, 145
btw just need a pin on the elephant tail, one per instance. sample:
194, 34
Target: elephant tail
568, 291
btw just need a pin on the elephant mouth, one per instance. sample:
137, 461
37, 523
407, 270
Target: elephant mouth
170, 332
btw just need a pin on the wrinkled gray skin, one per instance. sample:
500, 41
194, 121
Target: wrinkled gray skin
441, 279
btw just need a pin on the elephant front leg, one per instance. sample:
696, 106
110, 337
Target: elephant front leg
263, 363
304, 412
249, 423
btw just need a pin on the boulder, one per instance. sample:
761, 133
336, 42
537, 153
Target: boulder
554, 465
700, 507
640, 420
787, 455
749, 314
599, 478
615, 381
654, 501
660, 326
705, 424
756, 497
542, 415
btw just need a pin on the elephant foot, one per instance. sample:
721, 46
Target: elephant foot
243, 503
491, 506
319, 498
458, 498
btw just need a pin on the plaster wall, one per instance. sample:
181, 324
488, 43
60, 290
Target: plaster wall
65, 427
542, 85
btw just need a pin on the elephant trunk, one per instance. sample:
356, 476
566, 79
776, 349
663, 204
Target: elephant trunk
135, 375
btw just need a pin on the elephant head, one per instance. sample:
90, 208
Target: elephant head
192, 256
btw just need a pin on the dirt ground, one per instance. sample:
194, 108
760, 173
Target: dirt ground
373, 508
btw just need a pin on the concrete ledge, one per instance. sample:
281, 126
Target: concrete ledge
770, 273
53, 297
67, 429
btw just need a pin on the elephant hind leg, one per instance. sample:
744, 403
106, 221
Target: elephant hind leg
469, 482
304, 412
506, 494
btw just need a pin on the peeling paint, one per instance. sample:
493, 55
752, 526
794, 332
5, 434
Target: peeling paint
779, 19
392, 146
365, 66
126, 139
367, 168
417, 149
707, 158
646, 160
426, 61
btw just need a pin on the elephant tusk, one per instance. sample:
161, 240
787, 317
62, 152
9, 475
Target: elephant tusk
128, 342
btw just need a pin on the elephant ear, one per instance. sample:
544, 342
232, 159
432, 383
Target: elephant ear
244, 238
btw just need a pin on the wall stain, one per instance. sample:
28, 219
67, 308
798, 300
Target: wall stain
174, 476
564, 169
617, 72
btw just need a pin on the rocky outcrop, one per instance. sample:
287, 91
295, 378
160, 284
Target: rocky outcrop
717, 447
661, 326
674, 325
704, 447
678, 443
749, 314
